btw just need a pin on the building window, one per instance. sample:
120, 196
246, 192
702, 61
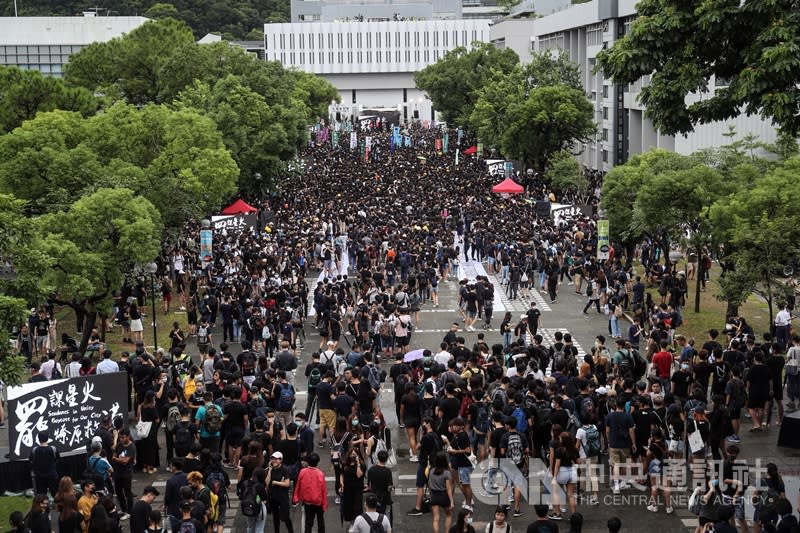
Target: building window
605, 156
291, 40
369, 57
330, 40
594, 34
349, 40
378, 57
464, 38
408, 56
427, 56
369, 40
605, 134
350, 57
358, 40
416, 56
605, 91
426, 39
358, 57
436, 55
416, 38
283, 41
408, 39
605, 113
444, 39
397, 39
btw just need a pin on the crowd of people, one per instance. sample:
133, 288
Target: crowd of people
385, 230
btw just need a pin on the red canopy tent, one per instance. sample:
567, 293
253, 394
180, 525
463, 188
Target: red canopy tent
508, 186
238, 207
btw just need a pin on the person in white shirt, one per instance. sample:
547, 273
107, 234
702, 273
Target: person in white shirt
499, 524
783, 321
50, 365
444, 356
73, 369
361, 525
107, 365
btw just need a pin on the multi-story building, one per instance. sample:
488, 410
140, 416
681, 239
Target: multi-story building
45, 43
583, 30
372, 62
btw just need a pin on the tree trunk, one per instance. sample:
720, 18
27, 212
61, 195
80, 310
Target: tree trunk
769, 304
88, 325
697, 289
80, 316
732, 309
103, 326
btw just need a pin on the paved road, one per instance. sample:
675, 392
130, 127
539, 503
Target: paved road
563, 315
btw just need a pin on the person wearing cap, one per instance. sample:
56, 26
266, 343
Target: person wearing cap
43, 461
140, 512
107, 365
277, 483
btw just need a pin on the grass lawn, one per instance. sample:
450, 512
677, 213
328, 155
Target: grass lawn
67, 324
712, 311
9, 504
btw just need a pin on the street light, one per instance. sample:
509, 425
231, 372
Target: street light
152, 268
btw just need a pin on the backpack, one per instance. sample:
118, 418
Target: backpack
374, 526
374, 377
559, 358
250, 502
481, 423
248, 363
514, 449
543, 412
214, 500
380, 446
202, 335
593, 446
383, 330
213, 419
572, 425
187, 526
586, 409
183, 438
639, 364
314, 377
56, 374
336, 449
739, 396
463, 409
286, 398
522, 419
216, 482
173, 417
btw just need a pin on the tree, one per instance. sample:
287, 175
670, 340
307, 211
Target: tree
20, 247
129, 66
565, 174
23, 93
756, 223
752, 47
316, 93
93, 245
532, 125
546, 69
453, 82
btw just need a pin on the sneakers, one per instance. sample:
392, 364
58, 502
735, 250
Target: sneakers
670, 510
413, 459
594, 501
624, 485
615, 489
412, 512
734, 438
554, 516
517, 513
652, 508
337, 500
466, 507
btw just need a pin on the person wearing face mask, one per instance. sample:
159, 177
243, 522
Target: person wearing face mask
464, 523
351, 486
304, 433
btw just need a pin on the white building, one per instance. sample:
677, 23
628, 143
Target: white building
583, 30
372, 64
45, 43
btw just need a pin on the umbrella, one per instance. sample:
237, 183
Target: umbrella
471, 150
413, 355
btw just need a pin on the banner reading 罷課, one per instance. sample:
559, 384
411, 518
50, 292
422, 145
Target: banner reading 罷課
603, 241
68, 410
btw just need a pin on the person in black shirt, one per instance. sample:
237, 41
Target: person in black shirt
379, 482
43, 460
140, 511
186, 517
428, 445
278, 483
123, 460
759, 387
236, 420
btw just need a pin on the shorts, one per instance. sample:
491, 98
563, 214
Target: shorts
440, 498
756, 402
411, 423
738, 505
421, 479
471, 314
618, 455
136, 325
777, 394
435, 290
401, 341
735, 413
464, 475
327, 418
654, 467
567, 474
233, 438
41, 341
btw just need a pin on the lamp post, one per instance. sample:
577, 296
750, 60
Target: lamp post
152, 268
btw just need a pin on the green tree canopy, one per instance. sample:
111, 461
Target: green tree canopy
23, 93
175, 159
94, 244
752, 46
453, 82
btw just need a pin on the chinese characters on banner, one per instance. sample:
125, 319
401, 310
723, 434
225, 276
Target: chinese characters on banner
206, 239
69, 410
235, 223
603, 241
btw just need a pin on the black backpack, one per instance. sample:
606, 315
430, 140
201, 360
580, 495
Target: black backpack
183, 438
375, 526
249, 501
